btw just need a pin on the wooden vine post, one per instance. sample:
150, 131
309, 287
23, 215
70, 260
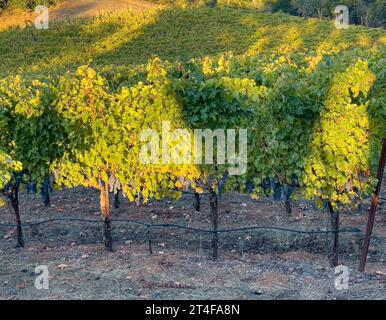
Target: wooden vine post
117, 202
334, 252
288, 208
213, 204
373, 208
196, 202
105, 208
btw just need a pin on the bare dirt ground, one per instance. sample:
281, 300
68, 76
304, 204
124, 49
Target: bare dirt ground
72, 9
258, 264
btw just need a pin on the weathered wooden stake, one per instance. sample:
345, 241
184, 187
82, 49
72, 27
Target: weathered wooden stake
105, 208
213, 202
117, 201
287, 204
334, 252
373, 208
149, 239
196, 202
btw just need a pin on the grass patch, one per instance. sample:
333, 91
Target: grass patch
131, 38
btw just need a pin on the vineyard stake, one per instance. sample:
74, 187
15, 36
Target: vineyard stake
213, 203
373, 208
288, 208
105, 208
149, 239
196, 202
334, 252
117, 202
